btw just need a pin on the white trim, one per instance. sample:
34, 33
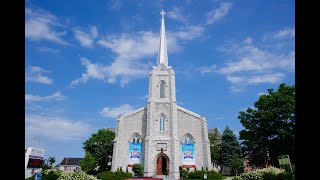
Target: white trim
133, 112
189, 112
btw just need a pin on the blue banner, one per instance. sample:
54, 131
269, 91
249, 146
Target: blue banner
135, 152
188, 159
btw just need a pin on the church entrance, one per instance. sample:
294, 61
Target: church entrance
162, 166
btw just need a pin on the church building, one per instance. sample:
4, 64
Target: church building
162, 135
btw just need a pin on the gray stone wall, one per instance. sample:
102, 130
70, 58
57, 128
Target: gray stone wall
127, 125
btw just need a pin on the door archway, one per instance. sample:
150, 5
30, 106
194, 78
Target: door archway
162, 164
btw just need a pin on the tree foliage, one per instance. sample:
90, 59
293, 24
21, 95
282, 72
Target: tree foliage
237, 164
270, 126
100, 146
137, 169
229, 147
88, 163
215, 142
51, 160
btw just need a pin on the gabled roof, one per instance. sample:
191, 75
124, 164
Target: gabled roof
70, 161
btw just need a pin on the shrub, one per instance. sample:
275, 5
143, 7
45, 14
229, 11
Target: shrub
75, 176
119, 175
236, 178
270, 173
137, 169
210, 175
53, 174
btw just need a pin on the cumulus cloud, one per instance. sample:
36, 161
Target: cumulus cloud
57, 128
188, 33
177, 15
86, 39
115, 5
284, 33
115, 112
94, 71
266, 78
47, 49
35, 98
255, 63
218, 13
253, 58
35, 74
130, 51
206, 69
42, 25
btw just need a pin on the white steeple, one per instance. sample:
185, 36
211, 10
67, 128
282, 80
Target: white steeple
162, 54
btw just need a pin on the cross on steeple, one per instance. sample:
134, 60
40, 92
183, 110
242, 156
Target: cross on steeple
162, 13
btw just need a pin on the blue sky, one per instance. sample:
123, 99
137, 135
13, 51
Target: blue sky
88, 61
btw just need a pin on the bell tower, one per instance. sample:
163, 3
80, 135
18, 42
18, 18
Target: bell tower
161, 131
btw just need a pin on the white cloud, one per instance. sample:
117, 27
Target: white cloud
188, 33
42, 25
266, 78
253, 58
287, 32
115, 5
145, 97
94, 71
47, 49
177, 15
54, 97
114, 112
236, 89
235, 79
86, 39
206, 69
254, 63
35, 74
216, 14
57, 128
248, 40
130, 51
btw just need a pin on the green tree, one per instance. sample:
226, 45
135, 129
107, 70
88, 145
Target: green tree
51, 160
237, 164
45, 164
100, 146
270, 126
215, 142
88, 163
229, 147
137, 169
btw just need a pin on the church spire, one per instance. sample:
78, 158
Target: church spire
162, 54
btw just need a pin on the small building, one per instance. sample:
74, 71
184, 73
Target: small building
70, 164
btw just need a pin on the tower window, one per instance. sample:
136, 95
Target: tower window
162, 89
162, 120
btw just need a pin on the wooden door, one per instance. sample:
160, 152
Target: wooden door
159, 165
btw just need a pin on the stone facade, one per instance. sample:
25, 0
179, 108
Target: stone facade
146, 122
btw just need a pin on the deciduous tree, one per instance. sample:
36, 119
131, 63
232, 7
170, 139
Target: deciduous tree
100, 146
270, 126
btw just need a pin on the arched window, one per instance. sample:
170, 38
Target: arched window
187, 139
162, 121
136, 138
162, 89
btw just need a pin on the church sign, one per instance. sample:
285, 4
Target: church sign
135, 151
188, 155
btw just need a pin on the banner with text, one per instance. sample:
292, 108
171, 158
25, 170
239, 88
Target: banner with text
188, 155
135, 152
